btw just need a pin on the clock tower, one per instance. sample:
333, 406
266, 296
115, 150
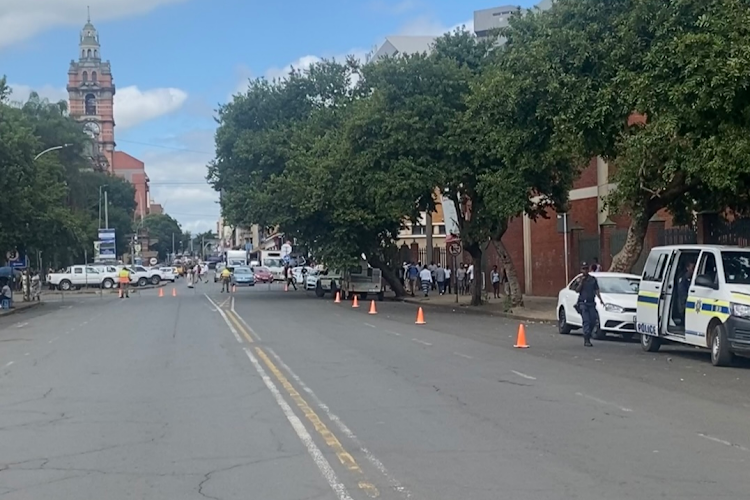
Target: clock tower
91, 95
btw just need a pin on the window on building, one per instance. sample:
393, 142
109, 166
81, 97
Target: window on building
90, 105
85, 76
96, 53
415, 229
88, 53
438, 229
93, 76
83, 53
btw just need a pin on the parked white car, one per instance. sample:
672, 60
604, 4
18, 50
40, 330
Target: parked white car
77, 277
617, 316
142, 276
304, 279
166, 273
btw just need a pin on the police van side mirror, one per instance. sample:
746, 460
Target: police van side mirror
705, 282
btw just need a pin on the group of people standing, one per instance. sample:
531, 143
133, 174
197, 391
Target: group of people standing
435, 277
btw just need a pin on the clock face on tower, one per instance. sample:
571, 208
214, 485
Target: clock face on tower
92, 129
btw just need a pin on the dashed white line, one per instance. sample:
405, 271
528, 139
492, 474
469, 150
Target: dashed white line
27, 354
394, 483
323, 465
463, 355
523, 375
393, 333
606, 403
9, 363
368, 324
421, 342
21, 325
722, 441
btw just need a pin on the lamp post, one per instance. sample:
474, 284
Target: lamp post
54, 148
100, 206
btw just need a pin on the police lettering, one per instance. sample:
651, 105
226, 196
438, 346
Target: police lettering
646, 328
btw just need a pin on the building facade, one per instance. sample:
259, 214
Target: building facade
133, 170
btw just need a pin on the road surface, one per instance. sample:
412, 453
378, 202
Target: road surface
270, 395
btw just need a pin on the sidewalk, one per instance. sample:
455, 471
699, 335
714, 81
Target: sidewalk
534, 309
19, 307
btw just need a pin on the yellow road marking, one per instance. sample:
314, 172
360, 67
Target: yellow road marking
344, 457
239, 325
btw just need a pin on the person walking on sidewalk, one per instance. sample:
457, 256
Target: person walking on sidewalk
412, 274
425, 277
440, 278
448, 273
495, 280
588, 292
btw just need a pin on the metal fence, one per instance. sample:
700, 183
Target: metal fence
588, 248
678, 236
729, 232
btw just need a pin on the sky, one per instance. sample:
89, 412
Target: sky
175, 62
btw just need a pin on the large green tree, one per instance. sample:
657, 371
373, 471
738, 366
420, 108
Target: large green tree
162, 228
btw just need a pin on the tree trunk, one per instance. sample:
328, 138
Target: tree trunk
475, 250
389, 276
516, 297
626, 258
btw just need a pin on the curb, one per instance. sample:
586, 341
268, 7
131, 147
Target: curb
15, 310
475, 310
96, 291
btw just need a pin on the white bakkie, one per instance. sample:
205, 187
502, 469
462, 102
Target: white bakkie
697, 295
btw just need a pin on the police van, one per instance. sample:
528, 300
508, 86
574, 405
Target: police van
697, 295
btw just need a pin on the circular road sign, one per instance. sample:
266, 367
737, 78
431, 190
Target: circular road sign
455, 248
153, 261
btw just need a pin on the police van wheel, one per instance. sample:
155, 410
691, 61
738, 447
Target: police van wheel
562, 322
720, 353
649, 343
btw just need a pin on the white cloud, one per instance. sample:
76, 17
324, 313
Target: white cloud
22, 19
178, 181
132, 105
302, 63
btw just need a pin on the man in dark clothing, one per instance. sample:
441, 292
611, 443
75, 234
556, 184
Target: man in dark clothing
683, 286
588, 291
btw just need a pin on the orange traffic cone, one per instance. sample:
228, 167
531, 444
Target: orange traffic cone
161, 292
338, 298
372, 308
174, 292
420, 318
521, 340
356, 302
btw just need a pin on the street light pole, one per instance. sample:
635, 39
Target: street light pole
100, 205
54, 148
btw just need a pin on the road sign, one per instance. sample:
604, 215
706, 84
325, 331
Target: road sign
153, 261
286, 249
455, 248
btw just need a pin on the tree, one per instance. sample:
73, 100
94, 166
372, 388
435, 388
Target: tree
677, 65
161, 229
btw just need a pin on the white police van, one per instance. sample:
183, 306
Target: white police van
710, 308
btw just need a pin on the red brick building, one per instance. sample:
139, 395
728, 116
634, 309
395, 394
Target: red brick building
134, 171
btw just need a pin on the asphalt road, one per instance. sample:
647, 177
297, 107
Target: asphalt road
270, 395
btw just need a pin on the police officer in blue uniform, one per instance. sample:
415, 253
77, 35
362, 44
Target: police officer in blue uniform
588, 291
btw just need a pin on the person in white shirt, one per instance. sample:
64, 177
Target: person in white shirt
448, 279
425, 276
470, 277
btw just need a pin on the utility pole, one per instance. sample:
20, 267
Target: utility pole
173, 254
106, 211
203, 247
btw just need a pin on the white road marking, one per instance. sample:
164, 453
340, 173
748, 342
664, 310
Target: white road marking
371, 326
393, 333
226, 320
394, 483
523, 375
21, 325
463, 355
421, 342
9, 363
323, 465
606, 403
722, 441
68, 307
244, 323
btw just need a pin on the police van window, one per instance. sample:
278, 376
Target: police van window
736, 267
707, 267
654, 268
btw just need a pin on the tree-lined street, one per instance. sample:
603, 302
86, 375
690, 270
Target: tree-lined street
293, 397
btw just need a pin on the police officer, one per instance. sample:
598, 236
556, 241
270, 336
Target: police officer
588, 291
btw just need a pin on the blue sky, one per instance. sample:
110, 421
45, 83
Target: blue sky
174, 61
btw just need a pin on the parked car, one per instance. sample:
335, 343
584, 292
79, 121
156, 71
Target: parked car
618, 313
263, 274
167, 273
243, 276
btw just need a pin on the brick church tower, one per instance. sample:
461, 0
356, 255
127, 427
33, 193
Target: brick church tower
91, 95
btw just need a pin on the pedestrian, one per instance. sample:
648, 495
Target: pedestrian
6, 295
226, 275
448, 273
413, 274
595, 266
495, 280
470, 277
506, 282
288, 277
588, 292
425, 277
124, 276
440, 278
433, 276
461, 279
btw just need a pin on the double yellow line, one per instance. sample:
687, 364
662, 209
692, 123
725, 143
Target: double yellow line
346, 459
